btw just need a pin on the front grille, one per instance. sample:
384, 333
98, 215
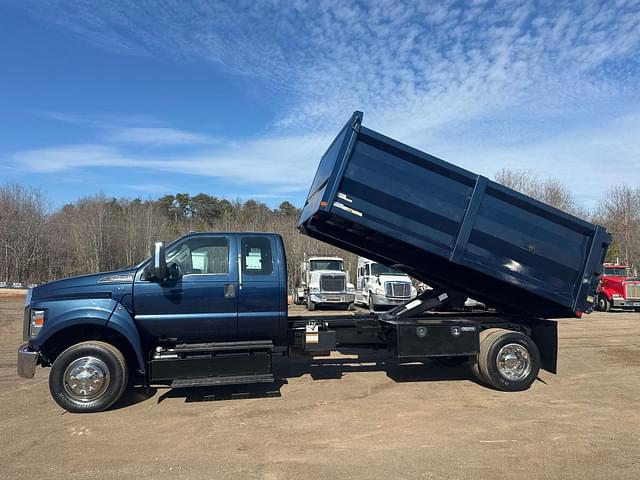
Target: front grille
632, 291
331, 283
397, 289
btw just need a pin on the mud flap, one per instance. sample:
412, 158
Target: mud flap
545, 334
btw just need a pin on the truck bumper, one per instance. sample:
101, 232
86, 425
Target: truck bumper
384, 301
27, 361
331, 298
629, 303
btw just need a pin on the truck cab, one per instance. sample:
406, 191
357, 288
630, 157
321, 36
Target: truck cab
618, 288
218, 293
323, 281
380, 287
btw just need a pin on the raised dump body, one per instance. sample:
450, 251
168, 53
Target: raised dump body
451, 228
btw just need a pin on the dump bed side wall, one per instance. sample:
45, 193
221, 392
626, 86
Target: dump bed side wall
449, 227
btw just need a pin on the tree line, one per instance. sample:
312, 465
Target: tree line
97, 233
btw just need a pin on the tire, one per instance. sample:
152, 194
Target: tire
604, 305
351, 306
372, 309
510, 346
88, 357
296, 298
310, 305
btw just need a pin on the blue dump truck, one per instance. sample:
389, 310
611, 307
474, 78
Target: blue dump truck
211, 308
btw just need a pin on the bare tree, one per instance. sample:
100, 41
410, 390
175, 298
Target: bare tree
550, 191
619, 211
22, 232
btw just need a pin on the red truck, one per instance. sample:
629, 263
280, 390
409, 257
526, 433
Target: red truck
618, 289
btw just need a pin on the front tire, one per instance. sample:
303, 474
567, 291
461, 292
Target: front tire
604, 305
372, 309
310, 305
508, 360
88, 377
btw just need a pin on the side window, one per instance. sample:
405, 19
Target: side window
366, 270
202, 255
256, 256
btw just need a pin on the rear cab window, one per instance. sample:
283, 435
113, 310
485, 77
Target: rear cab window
257, 258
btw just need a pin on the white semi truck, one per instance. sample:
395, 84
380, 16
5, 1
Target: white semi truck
380, 287
323, 281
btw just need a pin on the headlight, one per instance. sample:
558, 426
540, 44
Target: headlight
413, 291
616, 295
37, 322
314, 290
379, 291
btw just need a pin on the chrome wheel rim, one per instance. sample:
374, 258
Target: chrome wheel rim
86, 378
514, 362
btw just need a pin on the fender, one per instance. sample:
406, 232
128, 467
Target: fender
105, 312
122, 322
608, 293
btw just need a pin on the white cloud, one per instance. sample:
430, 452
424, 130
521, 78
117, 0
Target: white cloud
158, 136
270, 162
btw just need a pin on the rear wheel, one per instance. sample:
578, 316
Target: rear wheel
88, 377
604, 305
508, 360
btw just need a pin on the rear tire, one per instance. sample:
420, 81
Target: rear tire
88, 377
508, 360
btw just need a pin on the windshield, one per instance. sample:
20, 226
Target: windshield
379, 269
617, 272
325, 265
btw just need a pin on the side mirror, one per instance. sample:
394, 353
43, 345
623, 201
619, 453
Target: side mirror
158, 262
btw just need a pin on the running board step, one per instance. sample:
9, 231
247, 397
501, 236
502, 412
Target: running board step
223, 346
213, 381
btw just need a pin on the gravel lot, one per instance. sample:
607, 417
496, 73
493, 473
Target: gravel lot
345, 417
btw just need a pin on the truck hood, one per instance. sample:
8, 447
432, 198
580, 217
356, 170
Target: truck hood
97, 285
328, 272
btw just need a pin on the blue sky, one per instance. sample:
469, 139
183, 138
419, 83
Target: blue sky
240, 99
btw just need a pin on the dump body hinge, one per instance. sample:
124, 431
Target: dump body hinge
425, 301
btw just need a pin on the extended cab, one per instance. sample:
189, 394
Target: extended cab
98, 330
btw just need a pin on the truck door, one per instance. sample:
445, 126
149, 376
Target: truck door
259, 288
198, 304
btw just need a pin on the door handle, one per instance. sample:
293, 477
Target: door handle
229, 290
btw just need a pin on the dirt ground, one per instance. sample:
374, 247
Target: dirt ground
345, 417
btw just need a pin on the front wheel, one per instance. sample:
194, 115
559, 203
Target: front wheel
604, 305
88, 377
372, 309
310, 305
508, 360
